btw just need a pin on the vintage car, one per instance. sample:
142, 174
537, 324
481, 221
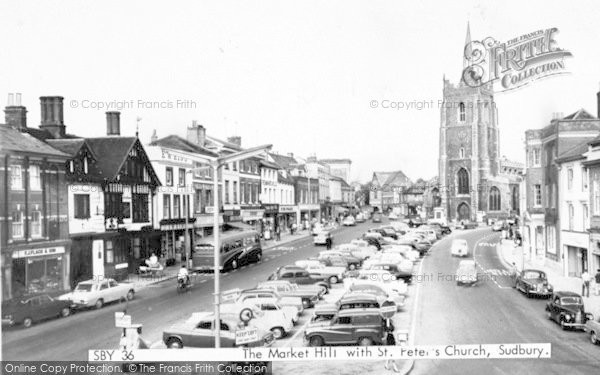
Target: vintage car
406, 250
381, 293
96, 293
466, 272
322, 315
382, 278
353, 262
271, 316
350, 327
403, 264
354, 300
592, 326
392, 216
293, 305
497, 226
300, 276
197, 332
459, 248
333, 274
365, 246
533, 283
395, 269
320, 237
349, 221
361, 218
34, 309
566, 309
358, 251
307, 293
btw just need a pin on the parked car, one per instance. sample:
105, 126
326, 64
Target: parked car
497, 226
361, 218
300, 276
404, 264
322, 314
382, 278
381, 293
34, 309
315, 267
350, 327
592, 326
459, 248
197, 332
469, 224
307, 293
393, 268
349, 221
271, 317
96, 293
373, 242
359, 252
259, 295
407, 251
385, 233
320, 237
353, 262
566, 309
533, 283
364, 246
466, 272
376, 217
355, 300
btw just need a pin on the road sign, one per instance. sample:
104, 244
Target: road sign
244, 336
122, 320
387, 309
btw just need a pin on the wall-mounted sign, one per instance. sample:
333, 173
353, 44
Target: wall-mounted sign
38, 252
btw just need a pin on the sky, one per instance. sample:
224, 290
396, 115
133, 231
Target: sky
301, 75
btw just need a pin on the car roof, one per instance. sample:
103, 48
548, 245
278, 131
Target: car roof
352, 312
532, 270
292, 268
566, 293
358, 296
459, 240
94, 281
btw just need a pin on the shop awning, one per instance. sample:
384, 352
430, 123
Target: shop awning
240, 225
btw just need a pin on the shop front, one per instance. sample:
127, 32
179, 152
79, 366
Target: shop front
253, 216
286, 217
306, 214
594, 261
40, 268
173, 239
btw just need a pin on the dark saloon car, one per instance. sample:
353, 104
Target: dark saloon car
33, 309
533, 283
566, 309
300, 276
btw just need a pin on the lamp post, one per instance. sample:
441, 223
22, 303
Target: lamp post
216, 164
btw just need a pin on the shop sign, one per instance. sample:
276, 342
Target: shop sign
271, 208
285, 209
38, 252
121, 266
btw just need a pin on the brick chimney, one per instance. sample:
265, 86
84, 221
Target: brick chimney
113, 123
196, 134
154, 137
52, 115
236, 140
15, 114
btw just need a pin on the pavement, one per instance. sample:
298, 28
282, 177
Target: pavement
509, 252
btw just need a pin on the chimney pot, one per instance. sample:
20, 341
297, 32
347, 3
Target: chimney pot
11, 100
196, 134
18, 99
15, 115
237, 140
113, 123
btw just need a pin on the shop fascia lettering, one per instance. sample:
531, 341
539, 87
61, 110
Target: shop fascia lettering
38, 252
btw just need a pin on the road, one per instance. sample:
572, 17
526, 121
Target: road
490, 312
156, 307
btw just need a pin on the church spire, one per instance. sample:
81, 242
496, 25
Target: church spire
467, 48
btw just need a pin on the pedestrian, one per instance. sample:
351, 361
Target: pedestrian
597, 279
510, 232
278, 233
328, 242
513, 274
585, 286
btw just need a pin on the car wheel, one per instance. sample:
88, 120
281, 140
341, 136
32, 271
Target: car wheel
365, 341
352, 267
234, 264
306, 303
174, 344
548, 315
278, 332
316, 341
562, 324
130, 295
333, 280
65, 312
99, 303
246, 315
594, 338
27, 322
258, 257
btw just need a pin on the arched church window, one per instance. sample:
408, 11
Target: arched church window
494, 201
463, 181
461, 112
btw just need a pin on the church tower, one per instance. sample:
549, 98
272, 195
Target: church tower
469, 148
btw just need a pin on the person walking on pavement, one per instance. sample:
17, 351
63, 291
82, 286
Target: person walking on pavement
328, 242
585, 286
278, 233
597, 280
513, 274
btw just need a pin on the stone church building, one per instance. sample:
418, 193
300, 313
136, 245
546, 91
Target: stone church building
475, 181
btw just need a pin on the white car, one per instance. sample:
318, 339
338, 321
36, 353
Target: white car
271, 317
383, 294
429, 234
364, 246
407, 251
292, 304
400, 226
361, 218
333, 274
466, 272
349, 221
459, 248
392, 216
96, 293
355, 250
404, 264
320, 237
382, 278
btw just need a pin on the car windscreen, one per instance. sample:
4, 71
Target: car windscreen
571, 301
533, 275
84, 287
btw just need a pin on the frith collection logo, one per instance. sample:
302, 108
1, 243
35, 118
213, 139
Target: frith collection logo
515, 63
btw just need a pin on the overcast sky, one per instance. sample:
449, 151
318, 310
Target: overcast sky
300, 75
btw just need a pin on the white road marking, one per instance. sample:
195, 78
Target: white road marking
203, 281
477, 243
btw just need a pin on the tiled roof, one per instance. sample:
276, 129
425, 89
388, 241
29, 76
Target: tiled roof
268, 164
178, 143
283, 160
391, 179
113, 151
574, 153
68, 146
283, 179
212, 141
13, 140
336, 161
582, 114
